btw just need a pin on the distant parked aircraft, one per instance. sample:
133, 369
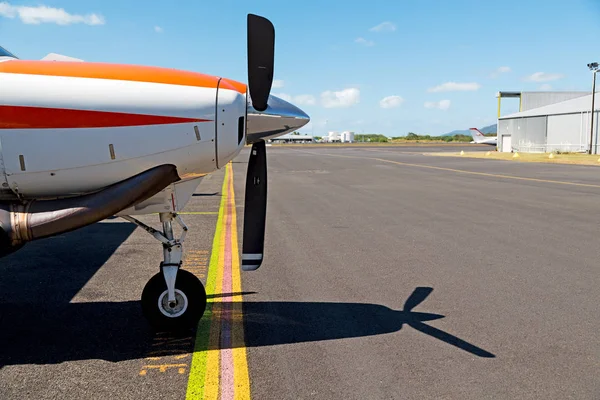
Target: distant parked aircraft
480, 138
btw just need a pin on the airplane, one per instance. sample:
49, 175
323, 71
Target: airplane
480, 138
84, 141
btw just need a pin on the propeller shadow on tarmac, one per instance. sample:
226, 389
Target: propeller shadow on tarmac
40, 325
272, 323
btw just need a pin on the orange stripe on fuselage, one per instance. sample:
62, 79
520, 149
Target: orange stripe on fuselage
121, 72
232, 85
19, 117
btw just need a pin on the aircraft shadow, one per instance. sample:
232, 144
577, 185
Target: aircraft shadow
38, 282
41, 326
116, 331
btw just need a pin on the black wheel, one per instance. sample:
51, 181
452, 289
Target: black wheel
189, 307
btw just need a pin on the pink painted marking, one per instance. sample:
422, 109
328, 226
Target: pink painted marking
227, 374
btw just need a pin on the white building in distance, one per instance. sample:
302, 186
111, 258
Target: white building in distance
347, 137
341, 137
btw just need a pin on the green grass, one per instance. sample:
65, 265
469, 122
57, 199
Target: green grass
569, 158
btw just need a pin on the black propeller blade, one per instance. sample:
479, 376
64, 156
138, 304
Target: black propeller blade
261, 55
255, 208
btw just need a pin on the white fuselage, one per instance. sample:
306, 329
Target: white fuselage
480, 138
70, 129
487, 140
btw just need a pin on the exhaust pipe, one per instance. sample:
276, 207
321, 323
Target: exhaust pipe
23, 222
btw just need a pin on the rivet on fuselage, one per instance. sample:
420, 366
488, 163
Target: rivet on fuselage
22, 161
111, 148
197, 132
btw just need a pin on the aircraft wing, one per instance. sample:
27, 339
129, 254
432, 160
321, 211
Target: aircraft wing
59, 57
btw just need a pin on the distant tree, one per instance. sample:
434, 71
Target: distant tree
428, 138
370, 138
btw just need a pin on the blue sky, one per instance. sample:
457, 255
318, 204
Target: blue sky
390, 67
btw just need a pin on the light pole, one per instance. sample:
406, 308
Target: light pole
594, 68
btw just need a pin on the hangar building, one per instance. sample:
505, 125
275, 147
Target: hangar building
549, 121
293, 138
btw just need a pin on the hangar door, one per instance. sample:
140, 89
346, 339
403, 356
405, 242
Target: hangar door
506, 144
529, 134
567, 133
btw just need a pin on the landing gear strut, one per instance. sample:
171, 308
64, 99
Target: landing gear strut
173, 299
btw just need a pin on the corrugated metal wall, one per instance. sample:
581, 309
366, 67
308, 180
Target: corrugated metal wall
528, 134
531, 100
569, 132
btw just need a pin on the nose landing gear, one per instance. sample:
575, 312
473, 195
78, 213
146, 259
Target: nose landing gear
182, 313
173, 299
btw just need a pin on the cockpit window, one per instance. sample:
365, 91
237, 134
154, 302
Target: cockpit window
6, 53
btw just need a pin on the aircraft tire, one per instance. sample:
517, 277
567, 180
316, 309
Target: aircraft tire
190, 296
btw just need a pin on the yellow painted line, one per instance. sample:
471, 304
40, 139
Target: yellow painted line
240, 360
204, 381
394, 152
203, 355
461, 171
213, 362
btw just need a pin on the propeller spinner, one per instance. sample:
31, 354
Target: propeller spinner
268, 116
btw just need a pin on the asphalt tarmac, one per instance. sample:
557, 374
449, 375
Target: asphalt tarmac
387, 275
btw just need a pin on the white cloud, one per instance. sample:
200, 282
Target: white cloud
542, 77
158, 29
364, 41
500, 70
340, 99
442, 104
305, 99
44, 14
277, 84
455, 87
301, 99
391, 102
283, 96
384, 27
546, 86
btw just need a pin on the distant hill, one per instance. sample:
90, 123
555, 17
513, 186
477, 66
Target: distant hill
457, 132
485, 129
491, 128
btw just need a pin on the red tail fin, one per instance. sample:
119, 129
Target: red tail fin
477, 131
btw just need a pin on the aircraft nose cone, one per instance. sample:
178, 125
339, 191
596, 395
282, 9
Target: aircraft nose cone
279, 118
